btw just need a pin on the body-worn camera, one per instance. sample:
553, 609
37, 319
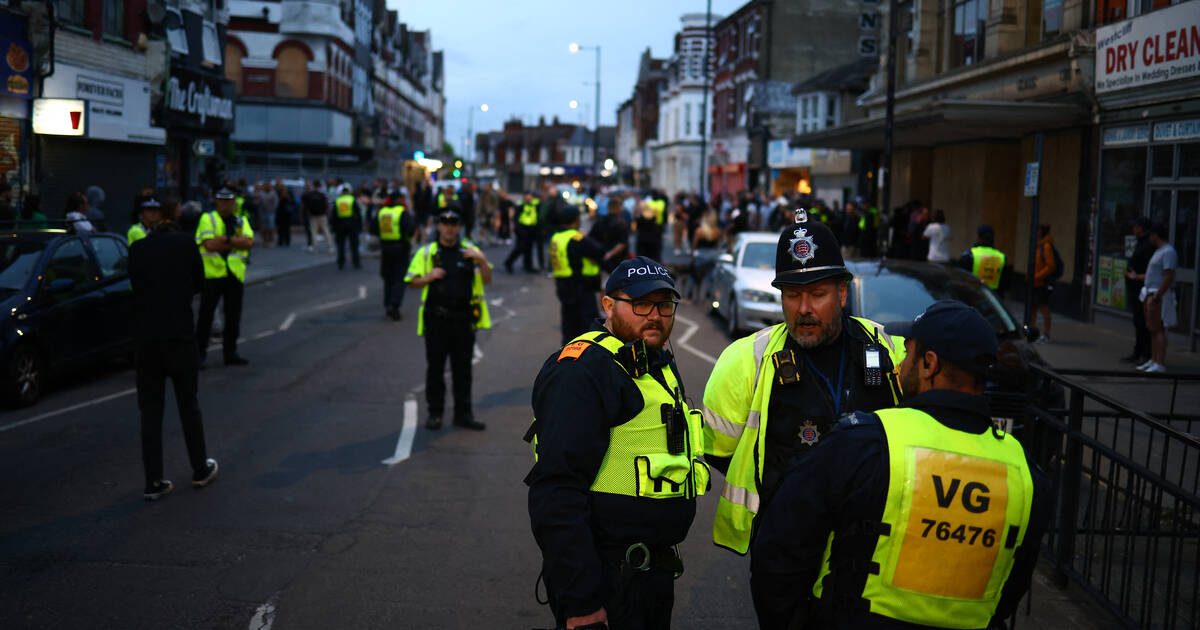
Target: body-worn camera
786, 371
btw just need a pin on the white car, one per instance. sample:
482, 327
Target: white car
741, 283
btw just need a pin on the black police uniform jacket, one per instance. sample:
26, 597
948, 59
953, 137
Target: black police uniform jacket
577, 403
839, 487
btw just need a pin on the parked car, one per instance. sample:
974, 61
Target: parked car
741, 283
67, 302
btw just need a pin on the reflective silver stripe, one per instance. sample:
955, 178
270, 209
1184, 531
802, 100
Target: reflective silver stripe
721, 425
753, 419
740, 496
762, 339
206, 234
211, 254
242, 256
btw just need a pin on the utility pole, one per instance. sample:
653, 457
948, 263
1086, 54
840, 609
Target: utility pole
889, 117
704, 105
596, 132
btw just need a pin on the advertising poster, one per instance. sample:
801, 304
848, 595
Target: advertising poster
16, 73
1119, 266
1104, 281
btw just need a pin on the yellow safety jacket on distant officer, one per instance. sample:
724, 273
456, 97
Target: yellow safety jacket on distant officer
422, 263
869, 218
987, 263
218, 264
559, 261
136, 232
389, 222
957, 509
743, 380
345, 206
442, 199
239, 201
639, 462
660, 210
529, 214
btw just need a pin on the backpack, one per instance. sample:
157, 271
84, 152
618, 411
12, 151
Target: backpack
1058, 266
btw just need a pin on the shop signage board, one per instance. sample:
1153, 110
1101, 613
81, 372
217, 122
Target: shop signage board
1032, 172
1135, 134
60, 116
1160, 46
1177, 130
16, 71
118, 108
192, 100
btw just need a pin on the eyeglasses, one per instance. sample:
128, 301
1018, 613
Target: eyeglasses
642, 308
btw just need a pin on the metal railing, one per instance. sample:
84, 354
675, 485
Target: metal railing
1127, 524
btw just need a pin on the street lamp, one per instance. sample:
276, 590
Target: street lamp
574, 48
470, 133
574, 104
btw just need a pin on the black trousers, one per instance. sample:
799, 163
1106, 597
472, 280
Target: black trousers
1141, 334
228, 290
393, 264
577, 306
642, 600
156, 361
453, 338
345, 237
526, 236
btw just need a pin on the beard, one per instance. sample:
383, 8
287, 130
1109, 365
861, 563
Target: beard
655, 333
807, 338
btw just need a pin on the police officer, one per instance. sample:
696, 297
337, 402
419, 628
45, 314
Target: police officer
149, 213
617, 460
527, 234
929, 508
225, 241
575, 261
450, 273
984, 260
347, 221
165, 271
396, 228
774, 394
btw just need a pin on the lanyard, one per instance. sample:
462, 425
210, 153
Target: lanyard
837, 398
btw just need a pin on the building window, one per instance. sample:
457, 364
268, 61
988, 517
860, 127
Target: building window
233, 64
114, 18
968, 25
70, 11
687, 119
291, 72
176, 35
833, 104
212, 47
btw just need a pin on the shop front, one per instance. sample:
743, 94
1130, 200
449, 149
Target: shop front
197, 112
790, 168
1149, 149
112, 144
15, 93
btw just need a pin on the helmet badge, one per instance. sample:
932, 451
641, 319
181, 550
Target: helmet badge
803, 248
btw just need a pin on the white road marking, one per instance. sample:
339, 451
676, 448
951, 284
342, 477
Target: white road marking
407, 432
497, 302
264, 617
478, 355
362, 291
682, 342
262, 335
287, 322
59, 412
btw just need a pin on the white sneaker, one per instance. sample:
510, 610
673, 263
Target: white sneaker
1155, 367
1042, 339
1142, 367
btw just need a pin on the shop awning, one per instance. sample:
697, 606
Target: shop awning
947, 122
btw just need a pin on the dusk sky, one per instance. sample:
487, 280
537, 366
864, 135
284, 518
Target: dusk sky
513, 55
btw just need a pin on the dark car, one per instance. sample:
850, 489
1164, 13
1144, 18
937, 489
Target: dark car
66, 302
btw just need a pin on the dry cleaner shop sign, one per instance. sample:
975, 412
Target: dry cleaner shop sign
1156, 47
196, 99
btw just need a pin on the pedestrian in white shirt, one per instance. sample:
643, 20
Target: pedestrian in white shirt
938, 235
1158, 297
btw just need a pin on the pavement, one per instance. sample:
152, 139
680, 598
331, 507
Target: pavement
333, 507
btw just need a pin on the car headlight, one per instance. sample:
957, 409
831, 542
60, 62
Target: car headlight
754, 295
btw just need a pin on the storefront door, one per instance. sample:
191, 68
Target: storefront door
1177, 207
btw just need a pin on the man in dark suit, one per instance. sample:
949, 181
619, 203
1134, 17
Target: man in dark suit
165, 271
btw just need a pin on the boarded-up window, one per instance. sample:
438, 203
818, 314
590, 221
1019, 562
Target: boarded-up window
291, 73
233, 64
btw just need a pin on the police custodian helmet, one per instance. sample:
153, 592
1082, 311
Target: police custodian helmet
807, 252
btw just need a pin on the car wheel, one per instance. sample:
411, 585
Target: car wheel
734, 325
26, 374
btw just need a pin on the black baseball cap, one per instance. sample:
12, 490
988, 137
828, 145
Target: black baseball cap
639, 276
149, 203
224, 193
449, 216
955, 332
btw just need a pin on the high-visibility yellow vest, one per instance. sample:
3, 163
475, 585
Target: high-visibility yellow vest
987, 263
957, 509
660, 210
560, 263
638, 462
422, 263
389, 222
216, 264
529, 213
442, 199
345, 206
136, 232
736, 400
870, 218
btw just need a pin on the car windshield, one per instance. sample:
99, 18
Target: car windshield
759, 256
18, 258
900, 294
